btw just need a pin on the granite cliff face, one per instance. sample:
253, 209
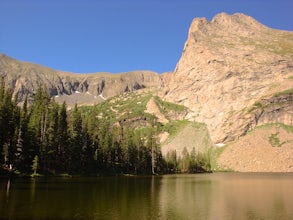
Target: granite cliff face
231, 74
25, 78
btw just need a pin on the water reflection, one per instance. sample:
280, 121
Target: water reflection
186, 196
204, 196
227, 196
7, 188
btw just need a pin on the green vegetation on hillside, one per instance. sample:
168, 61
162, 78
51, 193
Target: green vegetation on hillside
190, 147
282, 46
288, 128
263, 104
167, 107
274, 138
114, 137
285, 92
190, 162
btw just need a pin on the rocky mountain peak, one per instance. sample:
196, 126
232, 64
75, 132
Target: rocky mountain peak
235, 21
84, 89
231, 24
227, 65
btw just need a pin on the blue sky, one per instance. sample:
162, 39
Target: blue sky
86, 36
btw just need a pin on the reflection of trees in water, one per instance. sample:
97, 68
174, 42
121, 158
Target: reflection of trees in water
4, 189
130, 198
186, 196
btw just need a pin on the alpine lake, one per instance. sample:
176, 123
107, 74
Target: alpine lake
182, 196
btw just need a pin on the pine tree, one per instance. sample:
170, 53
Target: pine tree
52, 137
21, 140
87, 151
38, 125
2, 120
62, 139
19, 147
9, 122
75, 147
153, 145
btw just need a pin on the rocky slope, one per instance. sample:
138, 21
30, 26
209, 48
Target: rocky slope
227, 66
268, 148
25, 78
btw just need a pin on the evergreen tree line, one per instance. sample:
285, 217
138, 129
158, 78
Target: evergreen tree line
189, 162
44, 137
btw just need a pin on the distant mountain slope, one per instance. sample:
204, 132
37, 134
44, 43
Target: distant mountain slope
24, 78
228, 65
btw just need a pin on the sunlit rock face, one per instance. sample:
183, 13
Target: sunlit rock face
229, 64
25, 78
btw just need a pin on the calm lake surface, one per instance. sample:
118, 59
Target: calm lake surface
198, 196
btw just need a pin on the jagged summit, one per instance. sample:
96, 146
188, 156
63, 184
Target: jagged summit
237, 19
224, 21
25, 78
227, 65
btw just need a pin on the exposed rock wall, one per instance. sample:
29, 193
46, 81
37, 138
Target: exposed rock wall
227, 65
25, 78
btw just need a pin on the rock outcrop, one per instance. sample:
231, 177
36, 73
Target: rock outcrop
227, 65
25, 78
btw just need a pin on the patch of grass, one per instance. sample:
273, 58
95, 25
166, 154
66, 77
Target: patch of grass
288, 128
167, 107
173, 127
133, 102
283, 46
256, 105
216, 155
130, 107
281, 49
274, 140
285, 92
262, 106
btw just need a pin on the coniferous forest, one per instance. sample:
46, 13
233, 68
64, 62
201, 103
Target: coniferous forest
43, 137
46, 138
